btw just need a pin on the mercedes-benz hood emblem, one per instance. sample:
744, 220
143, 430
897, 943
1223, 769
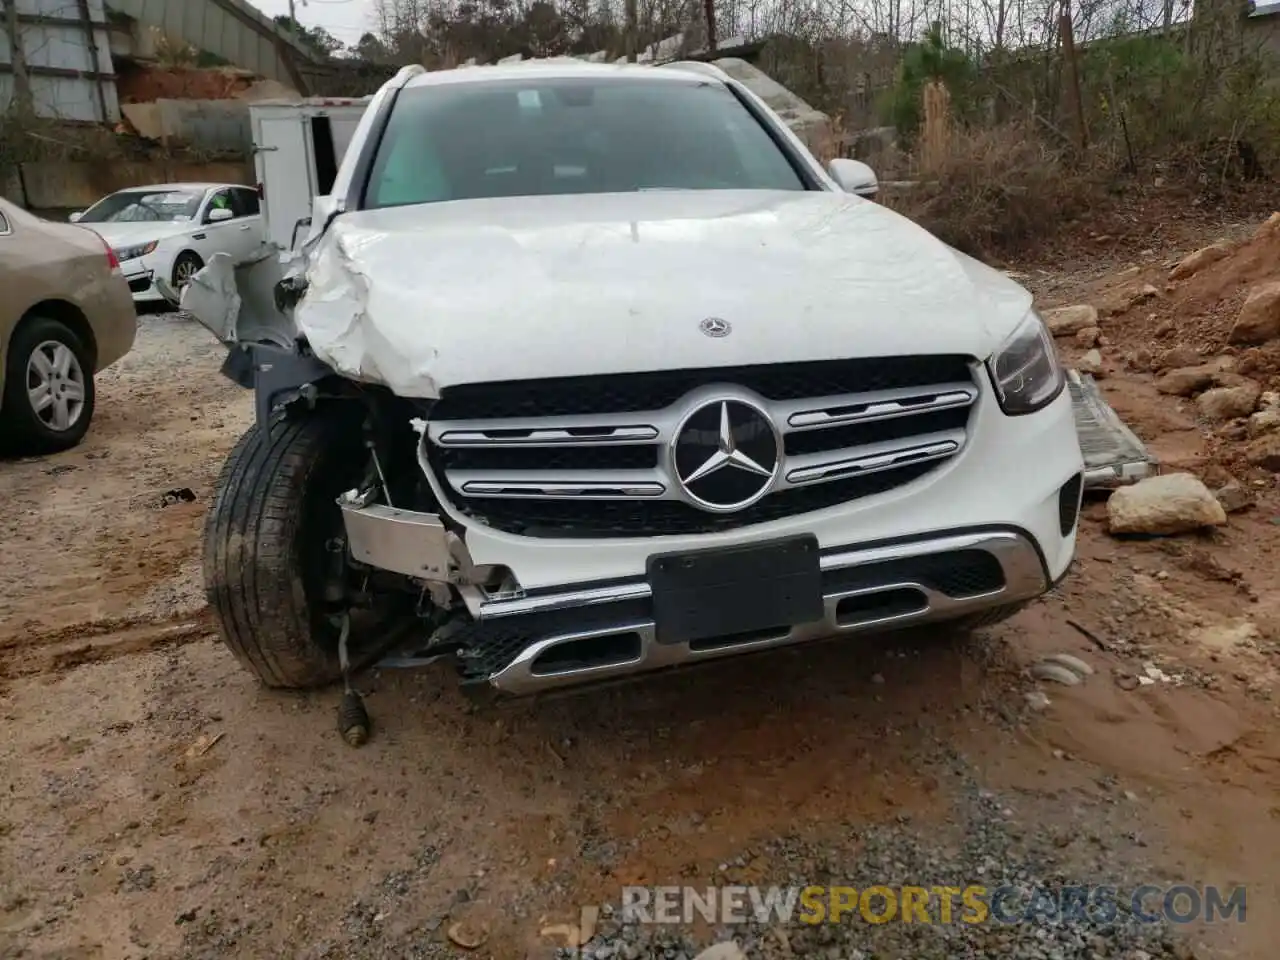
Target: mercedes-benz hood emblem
726, 455
715, 327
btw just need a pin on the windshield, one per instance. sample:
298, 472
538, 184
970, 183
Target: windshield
142, 205
571, 136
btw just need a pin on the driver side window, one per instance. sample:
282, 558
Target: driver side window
219, 201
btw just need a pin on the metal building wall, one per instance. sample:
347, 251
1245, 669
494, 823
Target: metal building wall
68, 64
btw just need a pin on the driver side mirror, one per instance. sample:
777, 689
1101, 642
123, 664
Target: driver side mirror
75, 217
854, 176
219, 214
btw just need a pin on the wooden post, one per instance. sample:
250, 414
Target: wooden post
710, 7
1073, 74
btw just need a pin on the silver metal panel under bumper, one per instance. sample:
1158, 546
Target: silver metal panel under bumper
1113, 454
914, 602
402, 541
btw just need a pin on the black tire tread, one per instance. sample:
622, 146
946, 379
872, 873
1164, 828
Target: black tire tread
252, 572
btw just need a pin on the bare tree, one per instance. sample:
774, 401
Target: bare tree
22, 98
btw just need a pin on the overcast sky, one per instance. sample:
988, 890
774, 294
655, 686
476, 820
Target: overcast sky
345, 19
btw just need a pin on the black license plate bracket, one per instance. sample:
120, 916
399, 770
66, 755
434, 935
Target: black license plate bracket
736, 590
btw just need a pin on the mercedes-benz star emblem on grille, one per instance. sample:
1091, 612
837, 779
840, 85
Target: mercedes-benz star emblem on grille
715, 327
726, 455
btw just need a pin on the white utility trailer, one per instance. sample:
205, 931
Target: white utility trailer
297, 148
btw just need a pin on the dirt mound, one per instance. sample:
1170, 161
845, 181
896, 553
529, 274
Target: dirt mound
1169, 339
1255, 261
1146, 312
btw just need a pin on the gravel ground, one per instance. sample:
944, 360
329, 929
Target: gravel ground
982, 840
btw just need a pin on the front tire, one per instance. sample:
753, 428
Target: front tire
48, 387
267, 556
185, 266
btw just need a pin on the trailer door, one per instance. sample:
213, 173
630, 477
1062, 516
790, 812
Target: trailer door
288, 173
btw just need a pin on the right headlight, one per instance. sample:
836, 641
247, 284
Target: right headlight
137, 250
1025, 368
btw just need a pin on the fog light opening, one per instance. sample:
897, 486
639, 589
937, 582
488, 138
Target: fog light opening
609, 650
1069, 504
872, 607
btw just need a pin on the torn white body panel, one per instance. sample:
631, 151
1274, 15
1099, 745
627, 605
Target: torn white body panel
423, 297
236, 301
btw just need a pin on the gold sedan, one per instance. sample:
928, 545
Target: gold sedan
65, 313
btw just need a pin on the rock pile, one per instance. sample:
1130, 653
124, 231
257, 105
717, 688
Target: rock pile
1210, 342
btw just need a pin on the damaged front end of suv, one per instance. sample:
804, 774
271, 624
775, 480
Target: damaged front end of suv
570, 408
324, 549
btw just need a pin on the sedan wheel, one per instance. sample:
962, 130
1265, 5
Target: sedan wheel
48, 387
55, 385
184, 268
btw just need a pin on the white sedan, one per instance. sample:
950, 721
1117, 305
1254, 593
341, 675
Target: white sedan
169, 231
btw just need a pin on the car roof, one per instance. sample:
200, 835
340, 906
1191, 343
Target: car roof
186, 187
559, 69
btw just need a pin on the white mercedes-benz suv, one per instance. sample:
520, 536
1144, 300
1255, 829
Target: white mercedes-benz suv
585, 371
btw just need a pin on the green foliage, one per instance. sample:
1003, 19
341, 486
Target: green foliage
318, 38
929, 59
1162, 93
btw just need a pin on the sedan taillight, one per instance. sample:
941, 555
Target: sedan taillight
113, 262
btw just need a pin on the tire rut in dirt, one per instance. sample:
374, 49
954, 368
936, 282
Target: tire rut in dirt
95, 642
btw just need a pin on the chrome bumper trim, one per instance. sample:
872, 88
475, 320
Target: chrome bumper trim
1000, 543
1024, 573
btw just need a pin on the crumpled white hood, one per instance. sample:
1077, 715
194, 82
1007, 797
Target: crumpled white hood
423, 297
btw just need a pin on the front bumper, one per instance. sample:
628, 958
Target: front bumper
1007, 505
534, 642
538, 643
141, 281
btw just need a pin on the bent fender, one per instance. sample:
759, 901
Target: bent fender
237, 302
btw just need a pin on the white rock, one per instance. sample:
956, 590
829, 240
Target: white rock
1264, 421
1090, 363
1195, 262
1068, 321
1259, 319
1174, 503
1037, 700
722, 951
1056, 672
1229, 403
1072, 663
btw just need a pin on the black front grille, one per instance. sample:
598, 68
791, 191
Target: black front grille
627, 392
656, 518
640, 457
957, 573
